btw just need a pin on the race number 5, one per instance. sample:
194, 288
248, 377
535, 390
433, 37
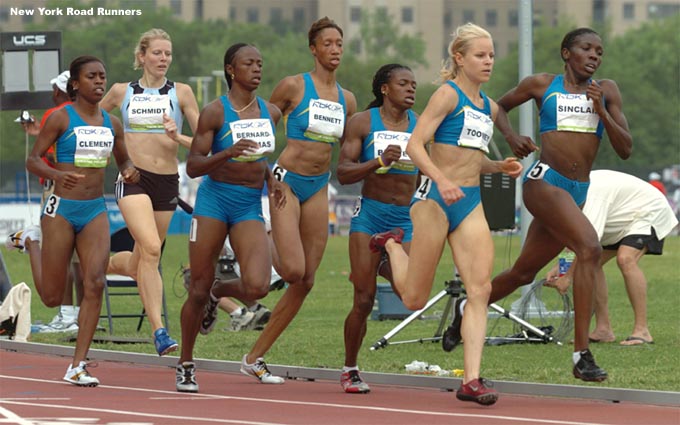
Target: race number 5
538, 171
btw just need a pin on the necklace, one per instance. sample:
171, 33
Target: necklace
238, 111
382, 115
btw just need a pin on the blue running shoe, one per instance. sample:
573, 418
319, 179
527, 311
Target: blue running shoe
164, 344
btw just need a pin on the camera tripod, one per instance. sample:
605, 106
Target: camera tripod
453, 289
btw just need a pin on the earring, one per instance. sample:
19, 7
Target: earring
384, 93
232, 75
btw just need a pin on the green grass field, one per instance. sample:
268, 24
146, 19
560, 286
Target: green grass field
315, 338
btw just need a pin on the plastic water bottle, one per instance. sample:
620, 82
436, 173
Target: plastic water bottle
565, 260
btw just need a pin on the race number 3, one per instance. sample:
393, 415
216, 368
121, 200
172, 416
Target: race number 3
538, 171
51, 205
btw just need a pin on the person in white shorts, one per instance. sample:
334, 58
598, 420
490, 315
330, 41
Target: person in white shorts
631, 218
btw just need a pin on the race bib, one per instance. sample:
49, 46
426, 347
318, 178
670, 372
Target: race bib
145, 111
279, 172
51, 205
477, 130
423, 188
382, 139
576, 113
258, 130
93, 146
357, 207
326, 121
537, 171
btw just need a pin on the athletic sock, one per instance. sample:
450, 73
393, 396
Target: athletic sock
348, 368
238, 312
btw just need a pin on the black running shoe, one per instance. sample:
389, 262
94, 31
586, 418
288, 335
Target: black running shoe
587, 370
452, 337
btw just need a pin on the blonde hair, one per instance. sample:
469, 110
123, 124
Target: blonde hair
462, 37
145, 41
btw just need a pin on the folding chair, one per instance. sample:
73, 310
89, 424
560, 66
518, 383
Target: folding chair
118, 285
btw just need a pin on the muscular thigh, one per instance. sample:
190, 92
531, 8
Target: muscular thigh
363, 262
430, 228
472, 248
250, 243
93, 246
206, 241
314, 229
58, 241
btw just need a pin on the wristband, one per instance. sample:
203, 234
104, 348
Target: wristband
380, 161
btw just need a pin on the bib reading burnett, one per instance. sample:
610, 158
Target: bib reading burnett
467, 125
234, 129
84, 145
380, 138
143, 108
314, 119
564, 111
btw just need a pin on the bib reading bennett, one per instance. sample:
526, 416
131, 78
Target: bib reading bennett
314, 119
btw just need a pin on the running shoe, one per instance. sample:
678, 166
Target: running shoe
452, 336
210, 313
378, 240
352, 383
164, 344
242, 321
478, 390
586, 369
260, 371
277, 285
79, 376
17, 240
185, 375
61, 323
262, 315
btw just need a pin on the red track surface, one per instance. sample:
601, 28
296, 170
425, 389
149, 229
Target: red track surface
32, 392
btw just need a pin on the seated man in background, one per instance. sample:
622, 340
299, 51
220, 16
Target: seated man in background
631, 218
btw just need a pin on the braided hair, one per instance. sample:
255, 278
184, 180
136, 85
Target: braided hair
382, 76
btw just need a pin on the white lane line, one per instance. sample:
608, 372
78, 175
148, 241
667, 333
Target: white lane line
176, 395
13, 418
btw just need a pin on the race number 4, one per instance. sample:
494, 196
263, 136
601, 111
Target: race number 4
423, 188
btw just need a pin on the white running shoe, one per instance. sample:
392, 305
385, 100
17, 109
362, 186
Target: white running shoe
242, 321
185, 375
260, 371
79, 376
262, 315
17, 240
61, 323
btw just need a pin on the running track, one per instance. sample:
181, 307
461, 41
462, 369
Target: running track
31, 392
